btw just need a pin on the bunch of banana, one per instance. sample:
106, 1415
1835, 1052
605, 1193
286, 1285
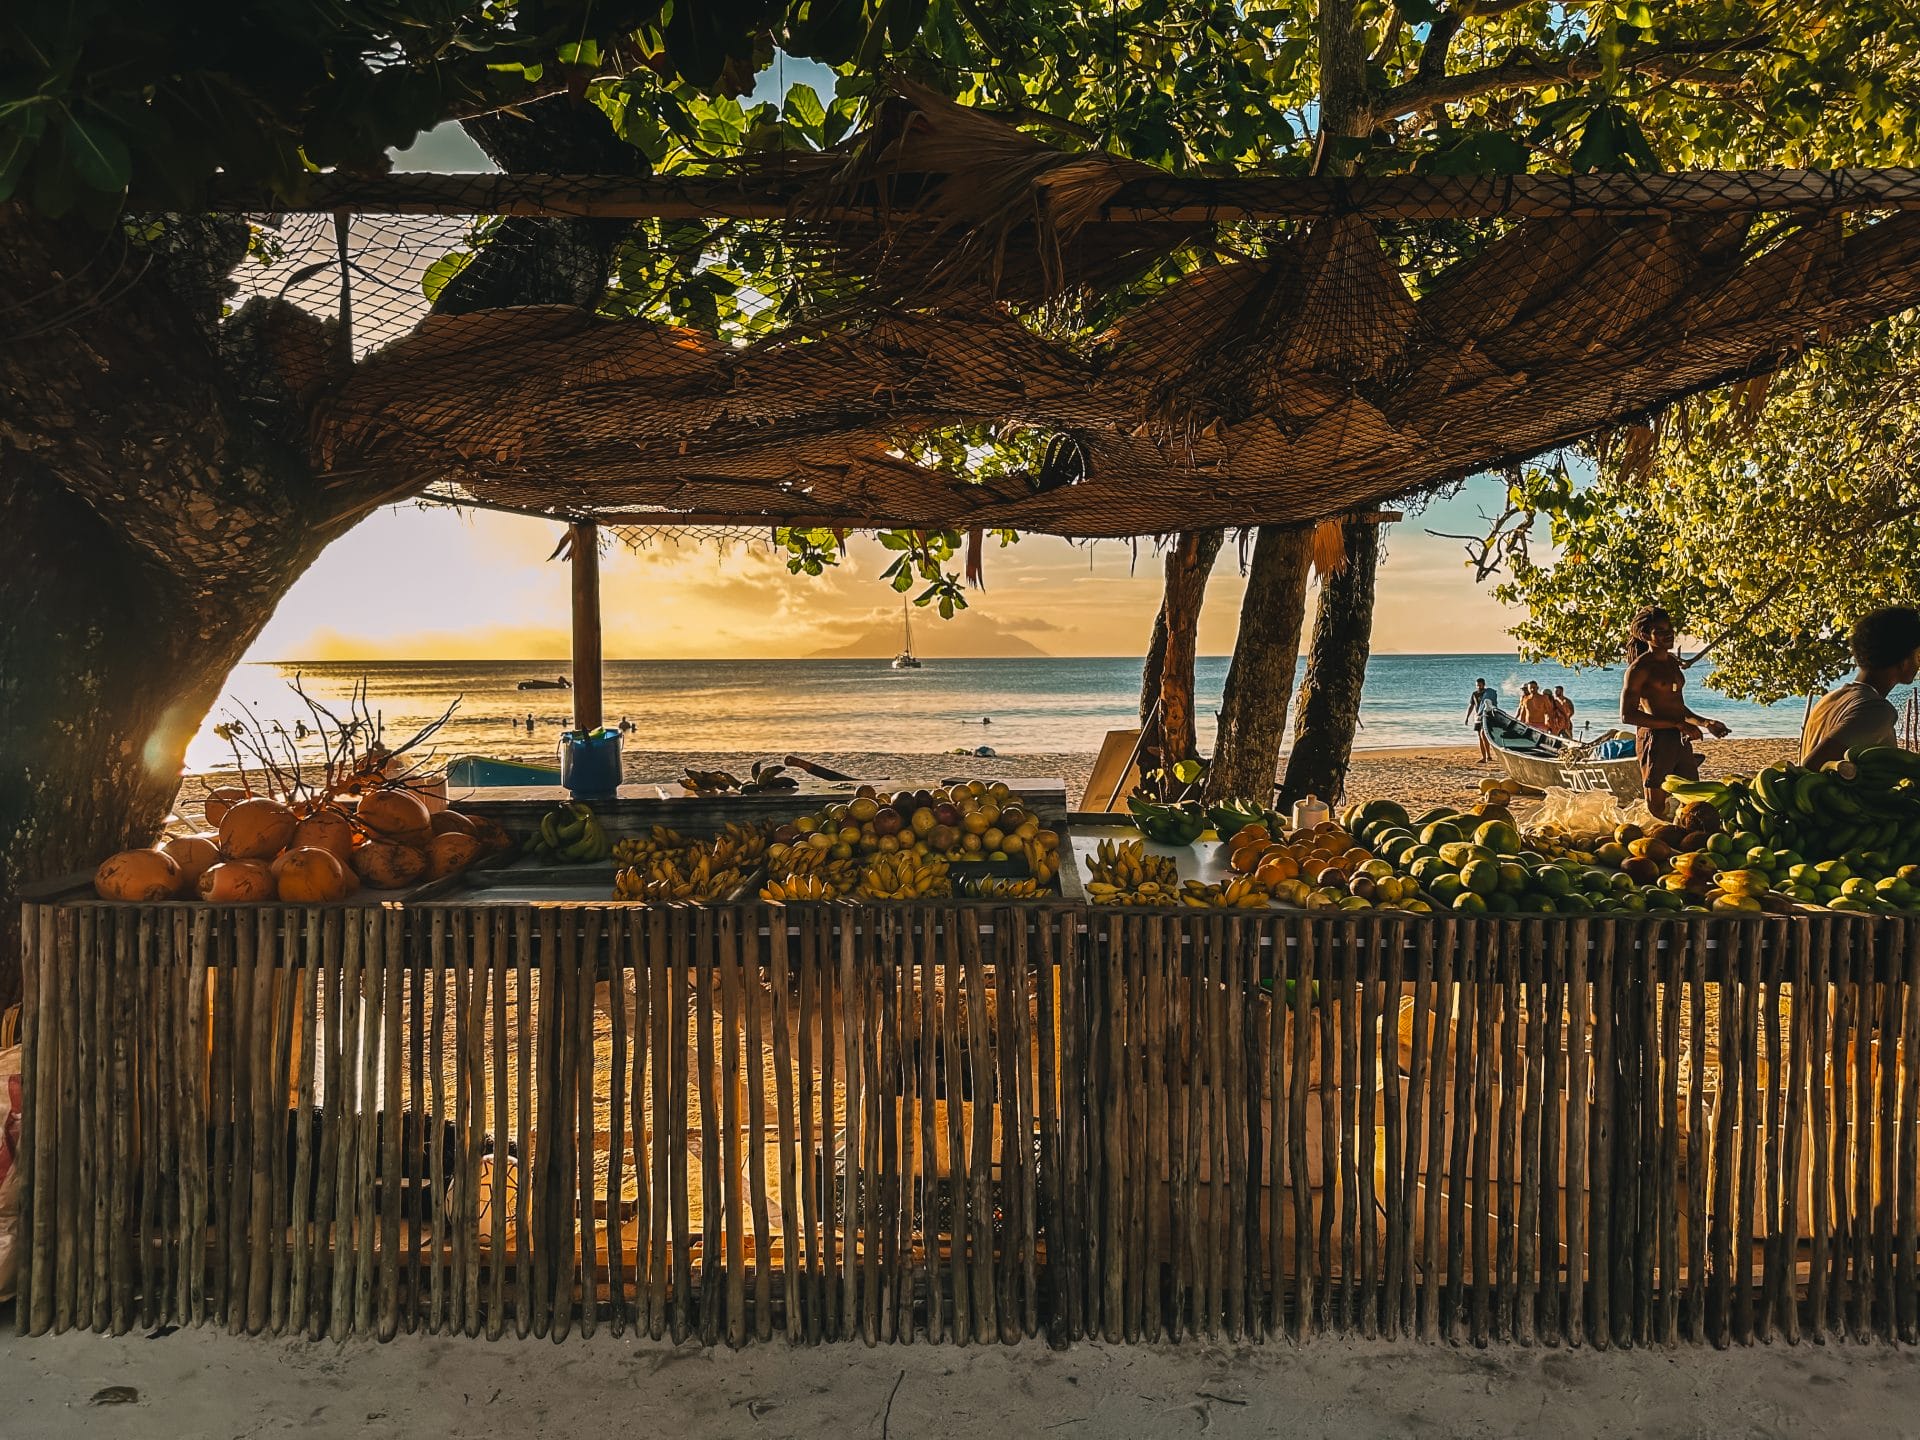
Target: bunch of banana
1124, 874
1043, 857
710, 782
768, 776
637, 849
740, 844
674, 877
904, 877
570, 833
1240, 893
799, 887
1000, 887
809, 860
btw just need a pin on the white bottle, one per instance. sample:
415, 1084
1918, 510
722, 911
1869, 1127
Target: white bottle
1309, 812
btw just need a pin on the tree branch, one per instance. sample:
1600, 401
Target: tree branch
1679, 60
1044, 120
1489, 9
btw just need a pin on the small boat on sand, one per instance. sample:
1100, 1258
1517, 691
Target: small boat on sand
1542, 761
559, 682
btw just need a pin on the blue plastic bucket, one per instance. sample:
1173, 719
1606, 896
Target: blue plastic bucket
590, 762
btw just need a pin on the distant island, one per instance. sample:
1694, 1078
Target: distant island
882, 642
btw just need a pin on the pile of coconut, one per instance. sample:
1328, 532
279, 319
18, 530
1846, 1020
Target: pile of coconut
305, 853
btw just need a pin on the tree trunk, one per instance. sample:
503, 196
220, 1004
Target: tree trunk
1167, 677
1253, 711
1329, 712
155, 513
158, 500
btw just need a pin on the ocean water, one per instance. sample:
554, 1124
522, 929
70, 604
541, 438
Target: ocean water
1036, 705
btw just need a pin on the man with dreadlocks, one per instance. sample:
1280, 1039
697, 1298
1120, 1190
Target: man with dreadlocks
1652, 701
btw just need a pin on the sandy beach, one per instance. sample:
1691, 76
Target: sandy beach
1416, 775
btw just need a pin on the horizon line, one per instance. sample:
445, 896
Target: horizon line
819, 659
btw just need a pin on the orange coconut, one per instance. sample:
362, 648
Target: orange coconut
395, 815
309, 875
237, 882
326, 829
137, 875
256, 829
385, 865
451, 853
194, 854
221, 801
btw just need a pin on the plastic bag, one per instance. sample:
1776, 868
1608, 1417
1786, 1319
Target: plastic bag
1588, 812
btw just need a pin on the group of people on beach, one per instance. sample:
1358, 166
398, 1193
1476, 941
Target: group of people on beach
1548, 710
1884, 643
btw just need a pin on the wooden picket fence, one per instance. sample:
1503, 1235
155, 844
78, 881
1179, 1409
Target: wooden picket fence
968, 1122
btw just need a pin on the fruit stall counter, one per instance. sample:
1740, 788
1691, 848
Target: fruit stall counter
1403, 1075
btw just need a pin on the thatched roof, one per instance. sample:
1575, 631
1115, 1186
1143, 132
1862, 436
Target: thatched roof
1305, 383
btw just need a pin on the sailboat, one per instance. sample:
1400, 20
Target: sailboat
906, 660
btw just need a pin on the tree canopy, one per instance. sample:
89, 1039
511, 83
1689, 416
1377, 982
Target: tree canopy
1765, 517
102, 97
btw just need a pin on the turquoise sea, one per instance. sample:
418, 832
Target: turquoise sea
1037, 705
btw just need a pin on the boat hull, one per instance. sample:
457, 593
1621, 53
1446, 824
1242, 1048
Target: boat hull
1541, 761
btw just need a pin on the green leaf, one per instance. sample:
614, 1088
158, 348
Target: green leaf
804, 109
1189, 770
98, 153
439, 274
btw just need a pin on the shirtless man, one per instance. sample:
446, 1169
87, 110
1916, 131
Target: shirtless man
1536, 707
1652, 701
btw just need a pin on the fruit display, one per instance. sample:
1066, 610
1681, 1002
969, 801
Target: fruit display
799, 887
313, 852
1004, 887
700, 874
1844, 837
570, 834
1240, 893
1322, 868
969, 822
904, 875
660, 840
1188, 820
665, 865
1867, 803
1123, 873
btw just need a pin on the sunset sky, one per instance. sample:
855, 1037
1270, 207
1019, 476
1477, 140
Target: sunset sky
417, 582
429, 582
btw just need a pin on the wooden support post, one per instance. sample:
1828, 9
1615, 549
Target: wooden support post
585, 553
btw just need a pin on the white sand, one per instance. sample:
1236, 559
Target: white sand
201, 1382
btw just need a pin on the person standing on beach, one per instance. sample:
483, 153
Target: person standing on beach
1477, 704
1652, 700
1562, 712
1886, 648
1536, 707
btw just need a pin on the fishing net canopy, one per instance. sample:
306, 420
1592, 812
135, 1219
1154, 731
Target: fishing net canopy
945, 323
